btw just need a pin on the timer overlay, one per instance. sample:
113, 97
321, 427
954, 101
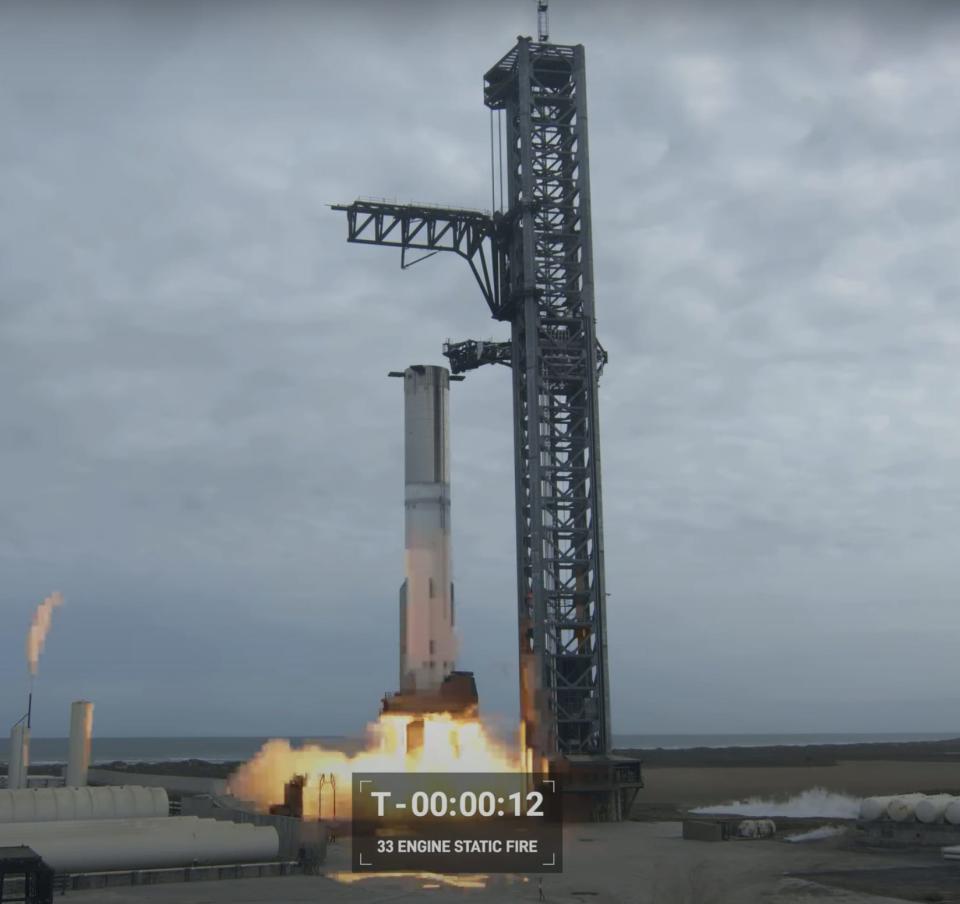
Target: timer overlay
457, 823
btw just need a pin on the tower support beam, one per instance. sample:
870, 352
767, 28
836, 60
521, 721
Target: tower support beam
423, 227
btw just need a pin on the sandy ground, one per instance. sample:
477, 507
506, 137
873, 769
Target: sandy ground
645, 861
635, 862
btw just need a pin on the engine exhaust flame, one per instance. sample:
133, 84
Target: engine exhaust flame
435, 880
39, 628
450, 744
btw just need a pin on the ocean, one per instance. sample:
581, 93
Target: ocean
107, 750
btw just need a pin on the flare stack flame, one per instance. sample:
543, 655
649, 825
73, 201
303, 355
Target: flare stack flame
39, 628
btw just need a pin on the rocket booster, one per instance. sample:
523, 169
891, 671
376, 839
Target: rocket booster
428, 646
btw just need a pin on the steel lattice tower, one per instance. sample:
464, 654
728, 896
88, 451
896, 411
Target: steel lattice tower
534, 264
564, 687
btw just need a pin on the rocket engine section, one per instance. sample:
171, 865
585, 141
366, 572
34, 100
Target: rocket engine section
428, 681
428, 646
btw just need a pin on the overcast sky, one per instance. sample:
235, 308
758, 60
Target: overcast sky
199, 445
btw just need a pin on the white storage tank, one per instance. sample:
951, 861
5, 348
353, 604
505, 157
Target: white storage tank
932, 807
903, 808
952, 812
52, 804
94, 845
873, 808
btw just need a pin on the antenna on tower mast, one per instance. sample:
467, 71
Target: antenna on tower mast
543, 25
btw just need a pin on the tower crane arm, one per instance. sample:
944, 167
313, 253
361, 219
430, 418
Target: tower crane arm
473, 353
421, 227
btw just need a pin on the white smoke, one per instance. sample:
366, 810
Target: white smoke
817, 834
813, 803
39, 628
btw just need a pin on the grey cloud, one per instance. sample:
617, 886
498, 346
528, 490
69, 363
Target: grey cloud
200, 446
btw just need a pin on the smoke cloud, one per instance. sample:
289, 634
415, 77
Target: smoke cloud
819, 834
815, 802
39, 628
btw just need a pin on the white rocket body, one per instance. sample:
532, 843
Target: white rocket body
428, 646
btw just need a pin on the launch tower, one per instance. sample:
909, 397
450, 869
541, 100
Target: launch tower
533, 262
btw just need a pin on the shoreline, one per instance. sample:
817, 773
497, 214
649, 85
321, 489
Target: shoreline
740, 755
677, 779
785, 755
782, 753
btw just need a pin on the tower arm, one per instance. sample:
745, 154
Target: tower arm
421, 227
472, 353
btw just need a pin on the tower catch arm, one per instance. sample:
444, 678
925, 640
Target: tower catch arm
420, 227
473, 353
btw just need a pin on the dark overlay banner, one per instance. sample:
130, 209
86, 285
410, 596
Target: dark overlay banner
457, 822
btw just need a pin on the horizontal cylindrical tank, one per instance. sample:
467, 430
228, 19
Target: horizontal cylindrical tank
67, 828
52, 804
952, 812
932, 807
903, 808
93, 845
873, 808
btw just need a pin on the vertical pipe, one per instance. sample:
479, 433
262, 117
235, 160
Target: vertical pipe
543, 739
493, 175
81, 733
500, 147
493, 172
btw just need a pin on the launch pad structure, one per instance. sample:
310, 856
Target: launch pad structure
533, 262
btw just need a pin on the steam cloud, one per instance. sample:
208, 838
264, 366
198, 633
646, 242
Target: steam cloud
39, 628
815, 802
817, 834
449, 744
